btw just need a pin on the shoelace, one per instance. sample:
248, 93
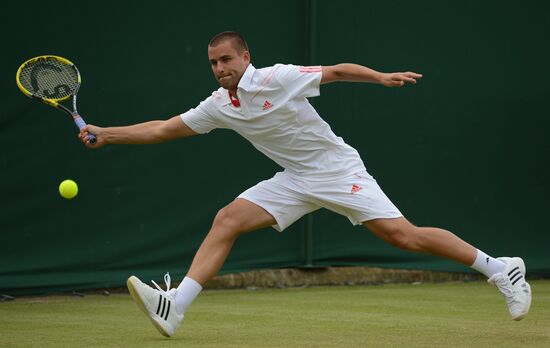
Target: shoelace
503, 285
167, 281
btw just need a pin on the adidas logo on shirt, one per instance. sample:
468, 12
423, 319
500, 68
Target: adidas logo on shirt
267, 105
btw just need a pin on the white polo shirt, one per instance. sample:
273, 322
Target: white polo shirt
276, 117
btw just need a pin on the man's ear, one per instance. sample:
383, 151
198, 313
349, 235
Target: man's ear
246, 56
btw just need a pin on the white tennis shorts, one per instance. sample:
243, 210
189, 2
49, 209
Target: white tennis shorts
288, 197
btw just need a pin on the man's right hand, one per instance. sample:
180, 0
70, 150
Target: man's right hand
97, 131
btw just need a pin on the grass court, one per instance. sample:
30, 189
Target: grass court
398, 315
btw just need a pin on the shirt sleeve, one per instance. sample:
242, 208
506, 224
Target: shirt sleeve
300, 81
201, 119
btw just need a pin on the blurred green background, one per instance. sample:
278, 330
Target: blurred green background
465, 149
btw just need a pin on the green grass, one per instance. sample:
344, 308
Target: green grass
425, 315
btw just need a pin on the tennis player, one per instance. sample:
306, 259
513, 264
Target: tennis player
269, 107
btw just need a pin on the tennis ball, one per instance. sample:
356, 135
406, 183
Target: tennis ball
68, 189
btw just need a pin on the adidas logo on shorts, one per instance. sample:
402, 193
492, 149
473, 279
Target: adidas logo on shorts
355, 188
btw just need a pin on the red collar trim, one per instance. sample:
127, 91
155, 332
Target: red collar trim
235, 101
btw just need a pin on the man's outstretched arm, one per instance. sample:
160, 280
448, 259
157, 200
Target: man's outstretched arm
358, 73
151, 132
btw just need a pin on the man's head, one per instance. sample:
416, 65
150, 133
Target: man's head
229, 57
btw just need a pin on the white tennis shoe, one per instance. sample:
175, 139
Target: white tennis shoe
159, 305
511, 283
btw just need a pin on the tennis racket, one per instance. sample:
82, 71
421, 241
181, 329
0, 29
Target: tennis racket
52, 79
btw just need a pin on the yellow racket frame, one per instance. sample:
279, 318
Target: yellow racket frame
50, 101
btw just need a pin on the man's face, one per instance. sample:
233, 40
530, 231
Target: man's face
227, 64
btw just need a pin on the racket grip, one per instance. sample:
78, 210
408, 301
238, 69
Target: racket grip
81, 124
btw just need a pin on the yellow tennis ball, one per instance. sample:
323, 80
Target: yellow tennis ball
68, 189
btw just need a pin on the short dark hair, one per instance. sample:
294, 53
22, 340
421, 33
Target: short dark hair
239, 43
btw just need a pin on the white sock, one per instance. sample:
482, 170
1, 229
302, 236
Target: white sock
487, 264
186, 293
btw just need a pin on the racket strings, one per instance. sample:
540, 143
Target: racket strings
51, 79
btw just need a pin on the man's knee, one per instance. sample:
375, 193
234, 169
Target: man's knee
401, 235
230, 221
225, 222
404, 238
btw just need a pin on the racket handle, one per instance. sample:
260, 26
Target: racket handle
81, 124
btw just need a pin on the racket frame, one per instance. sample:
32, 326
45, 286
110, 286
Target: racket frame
55, 102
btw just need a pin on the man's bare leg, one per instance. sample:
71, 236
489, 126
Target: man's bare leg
435, 241
507, 273
238, 217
